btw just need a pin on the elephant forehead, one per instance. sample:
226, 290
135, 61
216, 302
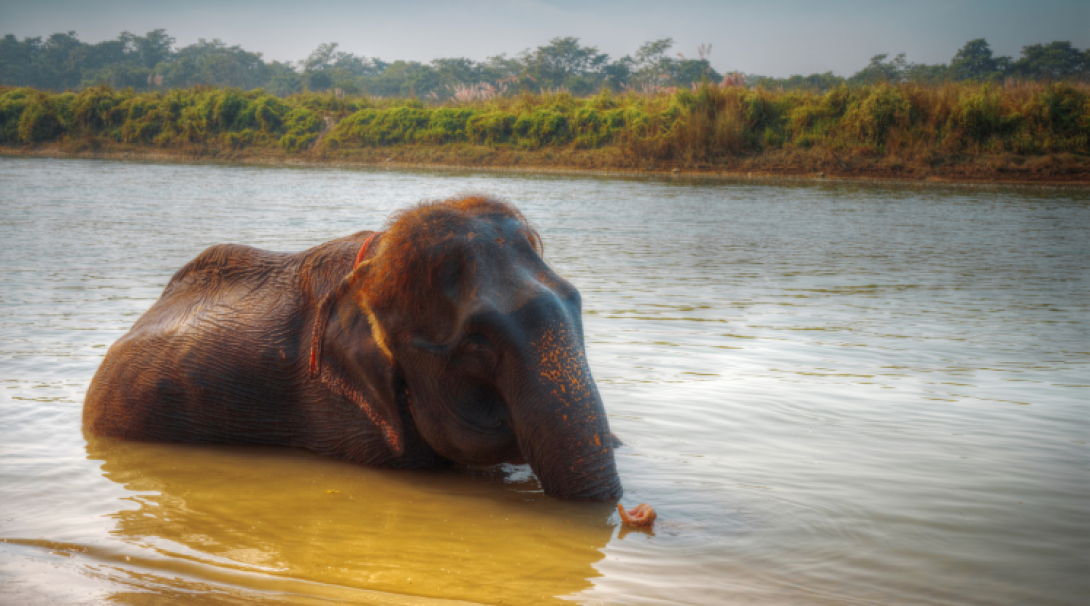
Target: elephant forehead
508, 287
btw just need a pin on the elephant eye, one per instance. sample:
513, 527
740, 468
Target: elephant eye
477, 355
477, 343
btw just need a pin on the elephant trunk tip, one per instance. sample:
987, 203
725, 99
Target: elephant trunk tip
603, 487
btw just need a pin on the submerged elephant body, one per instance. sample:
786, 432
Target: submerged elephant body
448, 340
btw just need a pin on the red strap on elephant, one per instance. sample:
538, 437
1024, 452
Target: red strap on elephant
363, 249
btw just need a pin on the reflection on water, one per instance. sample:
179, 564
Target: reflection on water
831, 394
289, 514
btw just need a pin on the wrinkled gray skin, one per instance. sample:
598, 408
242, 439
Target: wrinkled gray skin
499, 376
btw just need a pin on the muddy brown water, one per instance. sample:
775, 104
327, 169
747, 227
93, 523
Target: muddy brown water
832, 394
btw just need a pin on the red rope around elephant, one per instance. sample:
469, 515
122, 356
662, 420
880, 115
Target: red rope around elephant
326, 306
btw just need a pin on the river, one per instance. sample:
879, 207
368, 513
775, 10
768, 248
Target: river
832, 393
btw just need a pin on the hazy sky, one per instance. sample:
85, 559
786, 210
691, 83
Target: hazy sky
775, 38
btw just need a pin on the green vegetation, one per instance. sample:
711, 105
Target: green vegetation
973, 62
889, 128
151, 63
560, 105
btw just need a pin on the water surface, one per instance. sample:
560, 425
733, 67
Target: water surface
832, 394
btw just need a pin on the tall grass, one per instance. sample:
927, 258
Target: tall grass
707, 126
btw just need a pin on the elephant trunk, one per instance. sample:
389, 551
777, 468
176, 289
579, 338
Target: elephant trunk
558, 416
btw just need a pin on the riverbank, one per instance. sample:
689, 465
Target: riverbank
1057, 170
1027, 133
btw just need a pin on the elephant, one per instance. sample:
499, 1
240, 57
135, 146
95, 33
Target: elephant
442, 339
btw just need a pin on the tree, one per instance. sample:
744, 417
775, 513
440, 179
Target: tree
120, 75
404, 79
216, 64
62, 61
563, 62
618, 73
880, 70
695, 70
1053, 61
318, 81
321, 58
150, 50
327, 58
17, 60
501, 66
450, 72
820, 82
91, 57
651, 63
328, 67
283, 79
57, 70
927, 74
974, 61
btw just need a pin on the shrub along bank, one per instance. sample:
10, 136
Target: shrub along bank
885, 128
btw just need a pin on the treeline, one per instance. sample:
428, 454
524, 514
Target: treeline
974, 62
899, 124
151, 62
143, 63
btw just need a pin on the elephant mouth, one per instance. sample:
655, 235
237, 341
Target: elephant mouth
484, 443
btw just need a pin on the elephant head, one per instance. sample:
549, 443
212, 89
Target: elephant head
453, 331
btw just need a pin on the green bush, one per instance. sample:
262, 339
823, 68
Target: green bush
703, 125
447, 126
39, 121
301, 121
268, 113
12, 105
542, 127
979, 117
1062, 108
293, 143
491, 128
881, 108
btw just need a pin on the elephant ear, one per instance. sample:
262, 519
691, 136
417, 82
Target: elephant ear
350, 357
